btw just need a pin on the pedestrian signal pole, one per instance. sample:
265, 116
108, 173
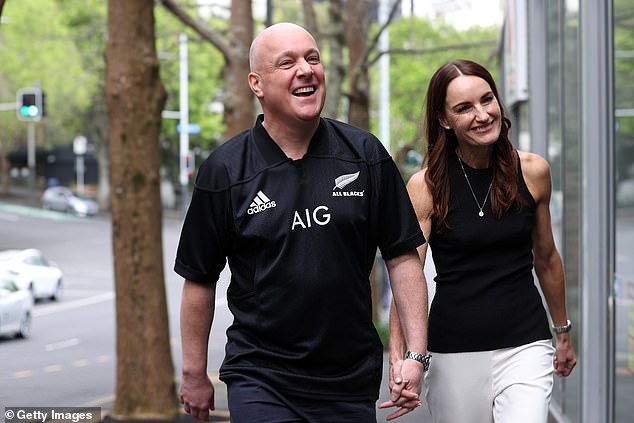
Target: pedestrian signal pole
30, 108
184, 124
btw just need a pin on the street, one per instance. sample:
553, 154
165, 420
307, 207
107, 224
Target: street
70, 360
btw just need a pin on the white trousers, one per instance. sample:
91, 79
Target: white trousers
510, 385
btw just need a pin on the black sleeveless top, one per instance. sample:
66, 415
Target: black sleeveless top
486, 297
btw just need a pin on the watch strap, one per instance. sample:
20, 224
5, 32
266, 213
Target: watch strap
563, 329
424, 359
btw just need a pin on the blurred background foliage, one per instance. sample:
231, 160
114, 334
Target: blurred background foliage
59, 45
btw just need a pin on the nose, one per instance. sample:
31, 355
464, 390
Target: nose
480, 112
304, 68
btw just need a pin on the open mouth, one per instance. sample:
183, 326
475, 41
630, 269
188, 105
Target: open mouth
304, 91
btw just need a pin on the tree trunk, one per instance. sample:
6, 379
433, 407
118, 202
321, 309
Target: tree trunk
238, 112
135, 96
358, 22
336, 65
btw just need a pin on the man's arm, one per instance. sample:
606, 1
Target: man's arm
409, 289
196, 315
401, 395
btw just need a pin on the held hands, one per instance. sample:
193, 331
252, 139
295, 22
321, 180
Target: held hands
197, 395
406, 381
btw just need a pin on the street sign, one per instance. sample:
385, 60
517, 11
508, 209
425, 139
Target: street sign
192, 128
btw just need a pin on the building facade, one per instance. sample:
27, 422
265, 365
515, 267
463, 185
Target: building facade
568, 82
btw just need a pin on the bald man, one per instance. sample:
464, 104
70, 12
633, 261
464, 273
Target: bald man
297, 206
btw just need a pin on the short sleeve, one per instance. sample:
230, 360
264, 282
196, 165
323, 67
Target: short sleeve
399, 229
205, 237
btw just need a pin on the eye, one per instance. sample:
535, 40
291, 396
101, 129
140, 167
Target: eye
285, 63
463, 108
488, 99
313, 60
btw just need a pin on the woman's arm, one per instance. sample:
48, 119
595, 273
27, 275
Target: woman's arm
546, 259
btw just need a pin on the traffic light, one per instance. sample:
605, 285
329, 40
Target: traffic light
30, 104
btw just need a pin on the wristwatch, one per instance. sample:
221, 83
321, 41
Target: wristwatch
563, 329
423, 359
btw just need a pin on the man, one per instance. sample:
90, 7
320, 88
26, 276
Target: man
298, 206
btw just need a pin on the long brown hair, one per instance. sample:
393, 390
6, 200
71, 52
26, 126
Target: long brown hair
441, 142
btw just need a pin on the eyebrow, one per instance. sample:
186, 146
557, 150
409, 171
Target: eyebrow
292, 52
490, 92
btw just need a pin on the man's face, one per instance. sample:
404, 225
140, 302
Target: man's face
289, 77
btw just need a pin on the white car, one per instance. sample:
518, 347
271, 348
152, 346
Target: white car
33, 272
65, 200
16, 306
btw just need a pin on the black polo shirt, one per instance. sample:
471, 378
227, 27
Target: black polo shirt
300, 237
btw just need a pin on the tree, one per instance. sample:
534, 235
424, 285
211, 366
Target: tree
145, 387
238, 100
357, 27
87, 23
44, 55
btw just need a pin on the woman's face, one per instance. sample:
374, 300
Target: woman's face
472, 111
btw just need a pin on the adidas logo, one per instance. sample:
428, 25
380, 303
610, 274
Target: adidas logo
260, 203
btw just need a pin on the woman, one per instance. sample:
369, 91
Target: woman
484, 207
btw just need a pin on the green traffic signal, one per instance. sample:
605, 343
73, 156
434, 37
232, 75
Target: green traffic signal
29, 111
30, 104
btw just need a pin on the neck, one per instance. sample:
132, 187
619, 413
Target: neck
292, 140
476, 158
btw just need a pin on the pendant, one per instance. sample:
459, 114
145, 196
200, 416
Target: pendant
481, 213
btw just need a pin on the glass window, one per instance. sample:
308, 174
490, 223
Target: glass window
624, 219
564, 150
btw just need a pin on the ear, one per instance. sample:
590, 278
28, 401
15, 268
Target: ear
255, 83
443, 122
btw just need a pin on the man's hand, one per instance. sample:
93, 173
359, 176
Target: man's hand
197, 395
405, 387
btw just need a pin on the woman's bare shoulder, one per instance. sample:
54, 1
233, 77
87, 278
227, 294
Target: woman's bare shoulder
536, 171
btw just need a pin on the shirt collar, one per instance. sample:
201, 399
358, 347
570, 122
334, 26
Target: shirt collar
273, 153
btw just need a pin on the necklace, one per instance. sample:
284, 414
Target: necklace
486, 197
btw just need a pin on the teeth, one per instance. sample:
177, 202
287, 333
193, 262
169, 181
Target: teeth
304, 90
483, 128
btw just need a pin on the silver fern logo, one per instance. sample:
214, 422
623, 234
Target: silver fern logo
343, 181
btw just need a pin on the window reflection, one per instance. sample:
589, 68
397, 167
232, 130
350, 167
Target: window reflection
624, 220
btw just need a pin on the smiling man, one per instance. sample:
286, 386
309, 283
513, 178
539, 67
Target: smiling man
297, 206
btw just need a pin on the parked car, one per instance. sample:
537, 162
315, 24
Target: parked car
33, 272
16, 307
65, 200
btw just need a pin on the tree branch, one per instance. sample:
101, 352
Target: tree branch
365, 62
377, 36
220, 42
418, 51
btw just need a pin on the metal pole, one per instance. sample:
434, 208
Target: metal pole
184, 124
80, 174
598, 257
384, 68
30, 154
